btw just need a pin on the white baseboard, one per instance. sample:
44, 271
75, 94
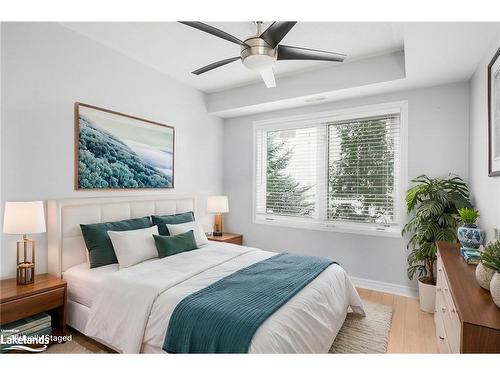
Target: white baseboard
380, 286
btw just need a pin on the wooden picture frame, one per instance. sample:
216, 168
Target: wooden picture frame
116, 151
494, 116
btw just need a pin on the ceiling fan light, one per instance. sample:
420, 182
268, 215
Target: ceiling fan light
259, 63
262, 64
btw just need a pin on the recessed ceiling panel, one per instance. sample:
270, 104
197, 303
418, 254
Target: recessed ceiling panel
176, 49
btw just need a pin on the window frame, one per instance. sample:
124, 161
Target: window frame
313, 119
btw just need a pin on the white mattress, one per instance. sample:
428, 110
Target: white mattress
84, 282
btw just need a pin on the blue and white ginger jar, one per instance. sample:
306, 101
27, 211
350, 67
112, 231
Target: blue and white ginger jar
470, 236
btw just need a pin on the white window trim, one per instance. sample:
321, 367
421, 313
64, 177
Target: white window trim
291, 122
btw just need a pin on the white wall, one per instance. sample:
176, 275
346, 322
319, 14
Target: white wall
485, 190
45, 69
438, 144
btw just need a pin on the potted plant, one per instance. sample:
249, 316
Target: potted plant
468, 233
432, 204
484, 271
490, 257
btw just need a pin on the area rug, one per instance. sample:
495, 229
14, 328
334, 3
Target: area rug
72, 347
369, 334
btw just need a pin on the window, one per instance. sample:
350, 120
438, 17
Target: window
332, 171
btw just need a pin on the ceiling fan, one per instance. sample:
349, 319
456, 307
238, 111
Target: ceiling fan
260, 52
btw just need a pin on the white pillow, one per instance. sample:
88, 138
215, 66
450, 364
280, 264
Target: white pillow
199, 233
134, 246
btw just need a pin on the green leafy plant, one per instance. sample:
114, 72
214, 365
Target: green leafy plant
467, 215
432, 203
490, 257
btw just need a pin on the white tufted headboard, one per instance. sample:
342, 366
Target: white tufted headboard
66, 246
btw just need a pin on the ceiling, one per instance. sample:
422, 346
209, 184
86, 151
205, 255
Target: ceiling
434, 53
176, 50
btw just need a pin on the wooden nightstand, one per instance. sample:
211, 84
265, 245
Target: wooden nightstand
234, 238
46, 294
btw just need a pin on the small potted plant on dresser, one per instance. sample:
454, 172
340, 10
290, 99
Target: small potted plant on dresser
484, 270
432, 204
490, 258
468, 233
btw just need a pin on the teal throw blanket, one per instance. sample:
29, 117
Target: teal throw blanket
223, 317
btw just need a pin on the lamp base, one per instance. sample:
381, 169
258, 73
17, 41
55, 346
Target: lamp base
217, 232
25, 273
25, 265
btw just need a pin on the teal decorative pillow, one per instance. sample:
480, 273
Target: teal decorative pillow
163, 220
101, 252
171, 245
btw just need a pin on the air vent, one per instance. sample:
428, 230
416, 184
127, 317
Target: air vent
315, 99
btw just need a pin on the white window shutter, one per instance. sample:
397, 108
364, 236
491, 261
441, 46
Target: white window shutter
363, 170
329, 171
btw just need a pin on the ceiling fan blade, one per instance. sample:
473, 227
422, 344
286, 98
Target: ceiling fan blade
215, 65
214, 31
268, 77
276, 32
298, 53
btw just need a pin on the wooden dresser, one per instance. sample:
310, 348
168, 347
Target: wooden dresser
467, 320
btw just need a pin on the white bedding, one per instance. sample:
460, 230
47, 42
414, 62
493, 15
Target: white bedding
132, 309
84, 282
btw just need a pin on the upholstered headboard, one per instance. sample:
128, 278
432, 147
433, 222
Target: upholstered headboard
66, 246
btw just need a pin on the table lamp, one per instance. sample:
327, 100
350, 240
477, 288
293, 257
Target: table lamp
24, 218
217, 204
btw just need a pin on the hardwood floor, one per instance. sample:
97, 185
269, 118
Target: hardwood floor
412, 330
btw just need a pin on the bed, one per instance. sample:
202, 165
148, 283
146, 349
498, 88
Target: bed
128, 310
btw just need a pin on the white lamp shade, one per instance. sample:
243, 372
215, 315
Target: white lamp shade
24, 217
217, 204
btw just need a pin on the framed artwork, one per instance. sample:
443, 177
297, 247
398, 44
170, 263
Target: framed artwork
494, 116
118, 151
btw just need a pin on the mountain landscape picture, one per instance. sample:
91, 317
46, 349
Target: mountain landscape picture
117, 151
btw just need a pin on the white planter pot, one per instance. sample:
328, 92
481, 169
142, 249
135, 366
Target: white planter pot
495, 288
427, 296
484, 276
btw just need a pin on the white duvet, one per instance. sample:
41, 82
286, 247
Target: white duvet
133, 307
